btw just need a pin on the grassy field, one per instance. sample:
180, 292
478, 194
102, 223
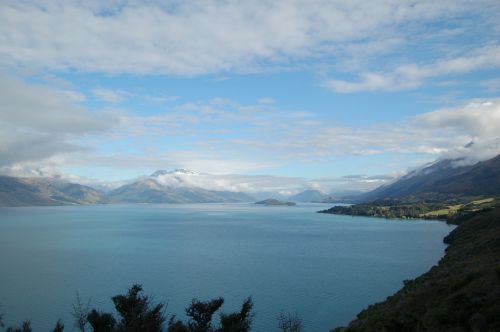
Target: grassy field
451, 209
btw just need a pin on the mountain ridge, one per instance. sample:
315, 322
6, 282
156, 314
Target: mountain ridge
443, 178
46, 191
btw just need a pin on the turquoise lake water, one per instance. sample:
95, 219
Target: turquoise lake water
325, 268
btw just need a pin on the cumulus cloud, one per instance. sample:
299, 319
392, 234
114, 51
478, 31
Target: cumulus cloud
110, 96
272, 136
232, 182
437, 134
479, 119
42, 125
408, 76
478, 122
38, 122
265, 185
169, 37
266, 137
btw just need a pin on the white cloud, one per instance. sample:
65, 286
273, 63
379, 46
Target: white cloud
266, 137
110, 96
37, 122
160, 98
479, 119
255, 184
221, 136
409, 76
478, 122
197, 37
492, 85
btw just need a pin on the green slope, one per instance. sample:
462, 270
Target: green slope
461, 293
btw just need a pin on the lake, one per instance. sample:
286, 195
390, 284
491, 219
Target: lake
325, 268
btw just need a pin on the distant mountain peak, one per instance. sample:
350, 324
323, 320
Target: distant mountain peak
309, 195
158, 173
435, 166
162, 172
468, 145
184, 171
444, 177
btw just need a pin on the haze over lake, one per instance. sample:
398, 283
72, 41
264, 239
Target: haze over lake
324, 267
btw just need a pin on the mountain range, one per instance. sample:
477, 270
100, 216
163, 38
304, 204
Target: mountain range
46, 191
153, 190
445, 177
310, 195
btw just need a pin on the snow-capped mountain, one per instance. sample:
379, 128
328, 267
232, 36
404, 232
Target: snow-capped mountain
177, 186
445, 177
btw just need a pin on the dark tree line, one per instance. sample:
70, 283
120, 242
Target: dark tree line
135, 312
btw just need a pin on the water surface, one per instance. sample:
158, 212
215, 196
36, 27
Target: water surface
326, 268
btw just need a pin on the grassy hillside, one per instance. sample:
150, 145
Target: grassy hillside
461, 293
452, 209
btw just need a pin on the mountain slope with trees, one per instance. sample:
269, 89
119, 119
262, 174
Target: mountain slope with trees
461, 293
444, 178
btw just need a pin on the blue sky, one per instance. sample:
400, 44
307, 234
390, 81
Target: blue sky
316, 90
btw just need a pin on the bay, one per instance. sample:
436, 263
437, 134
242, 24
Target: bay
325, 268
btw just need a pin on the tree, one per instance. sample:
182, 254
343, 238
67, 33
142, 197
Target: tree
59, 327
200, 314
175, 325
200, 318
289, 323
238, 321
101, 322
80, 313
137, 313
25, 327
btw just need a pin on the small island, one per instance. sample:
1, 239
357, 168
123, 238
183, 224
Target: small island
275, 202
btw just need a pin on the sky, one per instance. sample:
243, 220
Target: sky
330, 94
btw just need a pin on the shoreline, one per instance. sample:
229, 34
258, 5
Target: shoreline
460, 293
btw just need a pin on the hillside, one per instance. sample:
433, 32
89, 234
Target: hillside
275, 202
308, 196
160, 187
461, 293
452, 210
45, 191
443, 179
154, 189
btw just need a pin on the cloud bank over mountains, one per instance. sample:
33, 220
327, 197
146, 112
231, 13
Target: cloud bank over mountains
44, 126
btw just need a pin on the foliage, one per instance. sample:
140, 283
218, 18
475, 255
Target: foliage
238, 321
137, 313
289, 322
201, 313
25, 327
59, 327
80, 313
453, 209
101, 322
461, 293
